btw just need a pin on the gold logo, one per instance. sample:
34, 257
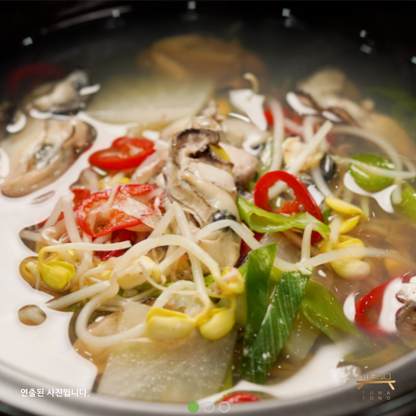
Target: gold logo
376, 378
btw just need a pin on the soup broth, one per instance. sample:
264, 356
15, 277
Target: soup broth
228, 223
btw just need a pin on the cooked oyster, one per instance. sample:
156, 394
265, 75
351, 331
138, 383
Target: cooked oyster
60, 97
41, 153
202, 183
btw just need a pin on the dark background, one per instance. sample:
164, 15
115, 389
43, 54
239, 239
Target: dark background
390, 27
390, 23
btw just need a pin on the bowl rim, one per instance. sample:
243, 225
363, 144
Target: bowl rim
338, 401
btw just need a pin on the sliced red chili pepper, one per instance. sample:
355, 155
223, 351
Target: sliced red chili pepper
302, 195
330, 139
117, 218
407, 277
79, 195
288, 114
245, 250
124, 153
236, 398
42, 224
118, 237
269, 117
368, 309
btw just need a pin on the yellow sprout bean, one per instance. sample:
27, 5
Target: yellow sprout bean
105, 274
182, 265
224, 107
354, 268
113, 181
136, 277
56, 274
220, 322
32, 267
351, 269
343, 207
72, 255
349, 224
165, 325
352, 242
231, 282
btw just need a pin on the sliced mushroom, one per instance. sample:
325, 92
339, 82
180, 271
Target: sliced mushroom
406, 325
329, 90
41, 153
237, 132
326, 82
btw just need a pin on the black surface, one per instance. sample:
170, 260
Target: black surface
390, 24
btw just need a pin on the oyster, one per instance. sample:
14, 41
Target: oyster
197, 178
60, 97
40, 153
